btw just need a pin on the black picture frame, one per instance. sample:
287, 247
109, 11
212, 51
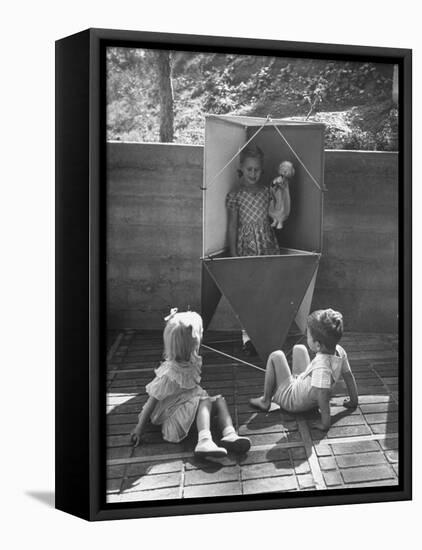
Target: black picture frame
81, 284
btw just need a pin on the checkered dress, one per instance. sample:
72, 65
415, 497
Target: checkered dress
255, 236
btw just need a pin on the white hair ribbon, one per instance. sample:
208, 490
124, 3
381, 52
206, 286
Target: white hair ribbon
172, 313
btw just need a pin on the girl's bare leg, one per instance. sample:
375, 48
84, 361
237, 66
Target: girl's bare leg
206, 446
276, 373
230, 440
300, 359
203, 415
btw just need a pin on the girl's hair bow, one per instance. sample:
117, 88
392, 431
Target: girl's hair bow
172, 313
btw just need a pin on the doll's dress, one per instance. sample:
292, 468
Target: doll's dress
255, 236
176, 387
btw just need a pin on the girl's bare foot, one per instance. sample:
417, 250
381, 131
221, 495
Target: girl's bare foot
260, 404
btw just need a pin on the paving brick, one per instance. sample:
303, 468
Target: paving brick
272, 418
144, 468
322, 449
368, 473
200, 477
119, 452
396, 469
274, 453
389, 443
349, 420
120, 429
245, 393
212, 490
262, 428
298, 453
268, 439
379, 418
327, 463
371, 391
390, 379
386, 407
301, 466
382, 483
162, 448
360, 459
342, 431
117, 471
392, 456
267, 469
210, 463
127, 408
332, 478
113, 485
306, 481
387, 428
363, 382
121, 419
158, 494
269, 485
341, 410
354, 447
364, 399
148, 482
294, 437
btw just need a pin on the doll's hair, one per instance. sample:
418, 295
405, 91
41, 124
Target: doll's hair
287, 167
326, 327
182, 336
252, 152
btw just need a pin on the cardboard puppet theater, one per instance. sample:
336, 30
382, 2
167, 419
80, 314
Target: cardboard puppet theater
267, 293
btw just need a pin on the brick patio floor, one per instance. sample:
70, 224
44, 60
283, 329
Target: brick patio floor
359, 450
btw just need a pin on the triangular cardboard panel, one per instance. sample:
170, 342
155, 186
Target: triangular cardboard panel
265, 293
210, 297
305, 306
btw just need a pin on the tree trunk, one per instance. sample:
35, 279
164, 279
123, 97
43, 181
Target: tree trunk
396, 84
166, 95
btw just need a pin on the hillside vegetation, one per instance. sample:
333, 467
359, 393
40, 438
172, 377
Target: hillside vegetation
353, 99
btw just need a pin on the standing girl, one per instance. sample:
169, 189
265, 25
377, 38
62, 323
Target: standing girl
176, 398
249, 230
311, 383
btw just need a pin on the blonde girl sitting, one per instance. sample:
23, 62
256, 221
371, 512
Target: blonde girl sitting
310, 384
176, 398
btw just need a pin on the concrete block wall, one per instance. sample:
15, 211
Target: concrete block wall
154, 236
359, 268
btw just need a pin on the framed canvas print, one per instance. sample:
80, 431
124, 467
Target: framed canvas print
233, 274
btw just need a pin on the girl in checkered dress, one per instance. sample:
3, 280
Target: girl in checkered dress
311, 383
249, 229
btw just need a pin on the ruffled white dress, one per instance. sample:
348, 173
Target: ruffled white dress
176, 387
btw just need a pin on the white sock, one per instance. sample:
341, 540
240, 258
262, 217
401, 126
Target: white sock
245, 337
204, 434
228, 430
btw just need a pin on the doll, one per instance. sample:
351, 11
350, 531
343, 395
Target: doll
279, 208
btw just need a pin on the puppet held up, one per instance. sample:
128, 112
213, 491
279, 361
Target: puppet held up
279, 208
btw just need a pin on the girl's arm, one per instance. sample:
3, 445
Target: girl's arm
352, 390
232, 231
323, 397
143, 418
287, 202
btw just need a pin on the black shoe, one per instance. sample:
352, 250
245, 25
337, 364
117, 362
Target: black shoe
249, 349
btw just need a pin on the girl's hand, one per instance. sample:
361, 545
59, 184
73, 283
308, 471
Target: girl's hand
349, 404
135, 437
